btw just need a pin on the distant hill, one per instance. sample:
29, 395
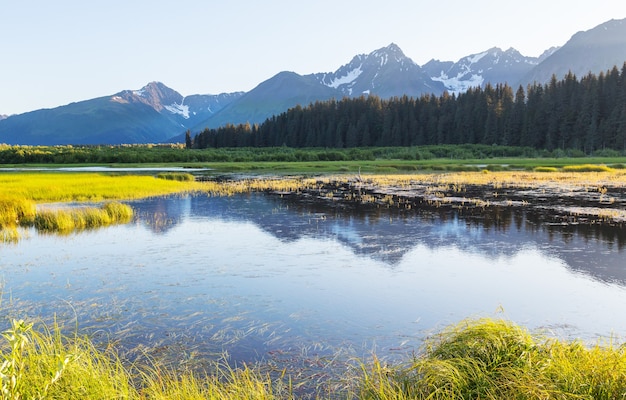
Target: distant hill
157, 113
277, 94
152, 114
596, 50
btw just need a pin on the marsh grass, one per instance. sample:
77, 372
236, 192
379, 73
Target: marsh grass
224, 383
20, 192
13, 210
42, 363
68, 220
545, 169
59, 186
495, 359
587, 168
484, 358
9, 235
176, 176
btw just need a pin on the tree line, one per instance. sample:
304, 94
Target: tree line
586, 114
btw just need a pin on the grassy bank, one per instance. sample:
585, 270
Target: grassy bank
486, 359
57, 186
21, 192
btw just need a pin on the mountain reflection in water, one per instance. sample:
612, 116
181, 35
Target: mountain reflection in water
386, 234
258, 276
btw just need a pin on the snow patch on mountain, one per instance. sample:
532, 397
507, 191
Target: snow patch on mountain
476, 58
119, 99
350, 77
180, 109
460, 83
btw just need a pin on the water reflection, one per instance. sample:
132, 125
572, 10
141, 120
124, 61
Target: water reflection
388, 234
262, 277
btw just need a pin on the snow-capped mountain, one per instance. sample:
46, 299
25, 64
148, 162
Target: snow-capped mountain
185, 110
156, 113
385, 72
491, 66
152, 114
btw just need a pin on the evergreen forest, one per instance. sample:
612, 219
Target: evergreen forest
584, 115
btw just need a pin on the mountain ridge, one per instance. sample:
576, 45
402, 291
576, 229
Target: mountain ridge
157, 113
595, 50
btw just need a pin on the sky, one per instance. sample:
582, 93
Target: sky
56, 52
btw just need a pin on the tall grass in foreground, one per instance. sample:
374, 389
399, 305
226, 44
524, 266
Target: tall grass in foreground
43, 364
494, 359
477, 359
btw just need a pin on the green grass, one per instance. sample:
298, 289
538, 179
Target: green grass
39, 363
495, 359
476, 359
402, 166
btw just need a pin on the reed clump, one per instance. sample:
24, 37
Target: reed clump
68, 220
545, 169
495, 359
176, 176
14, 210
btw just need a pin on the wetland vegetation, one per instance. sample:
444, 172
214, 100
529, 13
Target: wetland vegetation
483, 358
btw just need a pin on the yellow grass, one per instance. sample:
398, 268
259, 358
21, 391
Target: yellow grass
52, 187
19, 193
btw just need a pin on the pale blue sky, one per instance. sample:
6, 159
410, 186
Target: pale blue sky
56, 52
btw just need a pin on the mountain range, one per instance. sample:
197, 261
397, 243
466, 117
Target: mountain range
157, 113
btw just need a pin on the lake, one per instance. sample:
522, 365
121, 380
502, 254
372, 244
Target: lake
268, 278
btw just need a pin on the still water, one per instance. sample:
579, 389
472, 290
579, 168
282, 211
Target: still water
257, 276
